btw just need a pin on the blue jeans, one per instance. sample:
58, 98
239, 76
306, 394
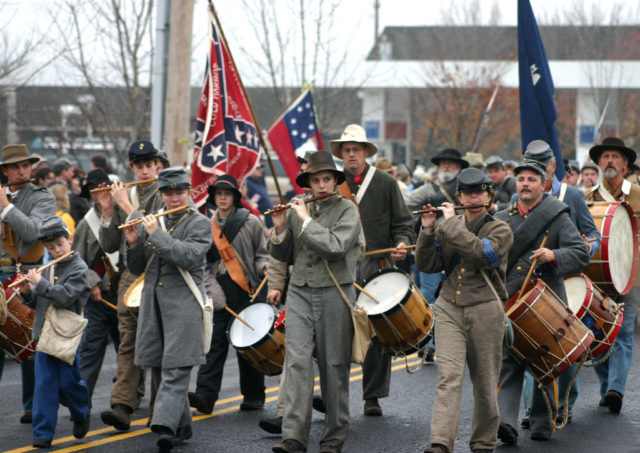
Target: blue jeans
57, 378
428, 286
613, 373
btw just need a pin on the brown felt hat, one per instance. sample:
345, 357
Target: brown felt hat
612, 144
12, 154
317, 162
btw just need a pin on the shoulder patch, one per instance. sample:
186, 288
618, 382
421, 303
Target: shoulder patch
513, 209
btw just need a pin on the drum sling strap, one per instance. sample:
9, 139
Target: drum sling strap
533, 226
228, 255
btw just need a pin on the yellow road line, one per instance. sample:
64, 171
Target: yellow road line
143, 421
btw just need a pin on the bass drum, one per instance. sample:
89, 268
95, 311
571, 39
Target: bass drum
16, 334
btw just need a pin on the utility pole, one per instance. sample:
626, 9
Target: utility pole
177, 127
376, 25
159, 82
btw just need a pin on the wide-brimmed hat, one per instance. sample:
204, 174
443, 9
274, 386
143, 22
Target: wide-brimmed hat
94, 179
385, 165
450, 154
475, 160
352, 133
226, 182
12, 154
612, 144
317, 162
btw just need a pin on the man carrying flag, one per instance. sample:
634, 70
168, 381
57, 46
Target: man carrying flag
294, 133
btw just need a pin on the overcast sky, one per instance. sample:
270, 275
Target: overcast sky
354, 24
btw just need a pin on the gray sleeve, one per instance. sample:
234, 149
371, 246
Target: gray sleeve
111, 237
27, 226
333, 243
186, 252
418, 197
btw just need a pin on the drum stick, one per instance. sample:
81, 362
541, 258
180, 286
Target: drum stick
592, 240
160, 214
533, 265
41, 269
106, 302
257, 291
235, 315
381, 251
126, 184
362, 290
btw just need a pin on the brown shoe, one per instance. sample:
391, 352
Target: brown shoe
613, 399
372, 408
118, 417
289, 446
436, 448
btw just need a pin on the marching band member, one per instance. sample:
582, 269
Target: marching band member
321, 239
170, 251
24, 207
613, 158
64, 285
470, 318
386, 222
117, 206
534, 216
237, 261
103, 320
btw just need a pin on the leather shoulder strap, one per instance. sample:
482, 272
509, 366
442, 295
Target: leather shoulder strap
228, 256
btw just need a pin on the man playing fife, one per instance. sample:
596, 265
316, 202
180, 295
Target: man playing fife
471, 249
613, 158
117, 207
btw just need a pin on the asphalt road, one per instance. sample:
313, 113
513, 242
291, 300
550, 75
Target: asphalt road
404, 427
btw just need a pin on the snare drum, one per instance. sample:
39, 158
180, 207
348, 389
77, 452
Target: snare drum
402, 319
548, 338
264, 346
597, 311
16, 334
613, 267
133, 294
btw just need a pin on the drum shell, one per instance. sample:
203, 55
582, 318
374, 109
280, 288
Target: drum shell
406, 326
600, 311
599, 270
18, 330
557, 338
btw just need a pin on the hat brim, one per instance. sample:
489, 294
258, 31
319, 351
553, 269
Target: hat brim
436, 161
334, 146
303, 178
237, 195
15, 160
596, 151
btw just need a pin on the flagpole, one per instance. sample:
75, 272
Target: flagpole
253, 114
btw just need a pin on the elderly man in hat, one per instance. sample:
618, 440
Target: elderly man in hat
534, 216
117, 206
103, 318
23, 208
171, 251
322, 240
504, 183
573, 197
236, 262
471, 248
387, 223
589, 175
613, 158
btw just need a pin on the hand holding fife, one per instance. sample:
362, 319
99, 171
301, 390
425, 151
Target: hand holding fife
543, 255
447, 209
150, 223
297, 204
104, 200
279, 216
4, 200
428, 219
120, 196
34, 276
131, 235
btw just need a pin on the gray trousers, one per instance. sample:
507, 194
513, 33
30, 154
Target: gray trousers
471, 335
511, 379
317, 317
376, 369
172, 405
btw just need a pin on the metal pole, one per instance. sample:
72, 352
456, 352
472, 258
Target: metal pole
159, 82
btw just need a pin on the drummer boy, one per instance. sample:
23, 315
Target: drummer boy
63, 285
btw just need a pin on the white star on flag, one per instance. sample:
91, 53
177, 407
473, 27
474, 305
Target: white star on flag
239, 134
215, 152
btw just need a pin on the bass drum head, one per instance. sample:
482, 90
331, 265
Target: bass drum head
389, 287
576, 289
260, 316
620, 249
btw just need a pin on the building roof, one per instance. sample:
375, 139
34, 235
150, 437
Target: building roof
501, 43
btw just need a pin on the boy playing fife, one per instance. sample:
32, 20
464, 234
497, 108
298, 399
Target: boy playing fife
54, 378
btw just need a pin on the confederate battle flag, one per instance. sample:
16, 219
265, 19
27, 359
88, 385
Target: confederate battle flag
294, 133
226, 136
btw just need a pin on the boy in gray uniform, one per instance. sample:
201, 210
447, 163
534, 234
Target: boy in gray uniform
171, 252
